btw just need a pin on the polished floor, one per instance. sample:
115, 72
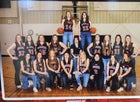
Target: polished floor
10, 90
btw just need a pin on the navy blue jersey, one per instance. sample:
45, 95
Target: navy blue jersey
112, 68
30, 49
40, 66
129, 50
67, 66
19, 51
27, 67
97, 48
85, 26
68, 25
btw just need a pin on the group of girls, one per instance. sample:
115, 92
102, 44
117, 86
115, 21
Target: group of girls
96, 63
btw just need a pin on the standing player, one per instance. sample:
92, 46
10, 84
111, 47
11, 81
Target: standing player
30, 47
106, 53
28, 73
84, 29
112, 70
19, 55
42, 47
57, 46
118, 48
129, 48
96, 46
97, 73
68, 24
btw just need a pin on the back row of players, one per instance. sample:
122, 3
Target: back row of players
105, 63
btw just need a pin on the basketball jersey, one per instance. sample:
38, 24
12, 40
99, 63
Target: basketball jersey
82, 67
117, 49
97, 48
76, 50
125, 66
40, 66
56, 48
30, 49
19, 51
53, 64
27, 67
43, 49
129, 50
112, 68
68, 25
85, 26
67, 66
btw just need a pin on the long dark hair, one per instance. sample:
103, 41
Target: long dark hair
38, 42
110, 62
32, 42
65, 17
130, 44
87, 17
16, 42
94, 43
118, 35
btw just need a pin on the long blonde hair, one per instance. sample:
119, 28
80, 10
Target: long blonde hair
82, 57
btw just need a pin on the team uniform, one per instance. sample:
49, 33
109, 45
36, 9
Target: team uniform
84, 75
30, 48
40, 68
25, 77
19, 53
130, 52
106, 58
43, 49
68, 35
118, 51
125, 66
114, 79
97, 48
65, 78
96, 69
54, 65
85, 34
76, 51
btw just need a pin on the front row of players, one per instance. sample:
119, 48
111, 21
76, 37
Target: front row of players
92, 73
97, 70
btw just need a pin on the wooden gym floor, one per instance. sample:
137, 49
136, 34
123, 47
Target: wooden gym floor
11, 91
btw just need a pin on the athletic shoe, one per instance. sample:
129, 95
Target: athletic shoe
79, 88
71, 87
30, 83
133, 85
35, 89
108, 89
120, 89
59, 87
48, 89
18, 86
124, 85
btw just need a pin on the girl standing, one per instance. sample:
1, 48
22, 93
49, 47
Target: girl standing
42, 47
53, 66
106, 53
67, 64
118, 48
112, 70
57, 46
96, 46
30, 47
19, 55
28, 73
41, 71
96, 73
68, 24
83, 66
84, 29
75, 51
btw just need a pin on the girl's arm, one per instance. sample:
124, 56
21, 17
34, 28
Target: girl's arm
57, 71
71, 64
62, 64
116, 70
63, 23
79, 30
35, 68
137, 50
107, 70
127, 72
63, 46
9, 49
88, 49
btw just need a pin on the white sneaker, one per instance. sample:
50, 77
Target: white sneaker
48, 89
18, 86
133, 85
79, 88
35, 89
30, 83
120, 89
124, 85
108, 89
